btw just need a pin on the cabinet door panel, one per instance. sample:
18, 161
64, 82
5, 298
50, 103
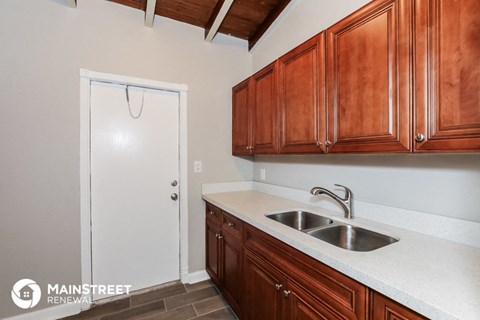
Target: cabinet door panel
448, 75
302, 306
241, 115
368, 79
302, 97
232, 273
264, 111
261, 300
213, 258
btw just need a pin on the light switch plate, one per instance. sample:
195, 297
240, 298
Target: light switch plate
263, 174
197, 166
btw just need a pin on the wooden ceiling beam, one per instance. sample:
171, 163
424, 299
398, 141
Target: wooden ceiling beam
71, 3
216, 18
267, 23
150, 12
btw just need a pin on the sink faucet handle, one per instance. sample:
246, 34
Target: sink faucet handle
348, 192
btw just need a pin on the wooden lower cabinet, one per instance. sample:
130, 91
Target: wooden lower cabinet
261, 277
271, 294
223, 244
384, 308
311, 285
232, 272
262, 289
213, 252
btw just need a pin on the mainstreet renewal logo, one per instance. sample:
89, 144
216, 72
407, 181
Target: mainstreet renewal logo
26, 293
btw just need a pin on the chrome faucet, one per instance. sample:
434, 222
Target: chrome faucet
346, 203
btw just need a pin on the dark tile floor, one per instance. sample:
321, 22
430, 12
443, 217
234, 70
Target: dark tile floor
200, 301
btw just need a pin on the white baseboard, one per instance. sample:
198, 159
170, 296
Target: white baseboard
51, 313
198, 276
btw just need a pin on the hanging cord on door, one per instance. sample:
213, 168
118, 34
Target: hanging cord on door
128, 102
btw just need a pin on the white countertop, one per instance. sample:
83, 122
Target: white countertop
439, 279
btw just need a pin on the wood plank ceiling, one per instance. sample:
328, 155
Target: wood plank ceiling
245, 19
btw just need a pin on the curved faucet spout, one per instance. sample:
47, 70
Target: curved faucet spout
346, 203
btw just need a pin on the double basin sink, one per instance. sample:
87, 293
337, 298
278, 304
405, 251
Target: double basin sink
339, 234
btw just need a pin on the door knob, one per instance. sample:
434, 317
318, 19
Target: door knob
174, 196
278, 286
174, 183
286, 293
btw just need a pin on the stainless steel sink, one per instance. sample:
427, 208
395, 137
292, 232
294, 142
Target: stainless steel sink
300, 220
352, 238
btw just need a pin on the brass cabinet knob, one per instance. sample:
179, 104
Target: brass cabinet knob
419, 137
328, 143
278, 286
286, 293
319, 143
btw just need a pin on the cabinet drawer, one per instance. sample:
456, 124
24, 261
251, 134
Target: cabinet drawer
384, 308
214, 214
346, 296
232, 226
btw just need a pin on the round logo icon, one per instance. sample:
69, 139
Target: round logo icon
26, 293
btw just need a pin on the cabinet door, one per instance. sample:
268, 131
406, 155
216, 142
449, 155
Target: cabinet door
241, 115
264, 111
368, 79
261, 298
447, 76
386, 309
213, 253
302, 306
232, 272
301, 84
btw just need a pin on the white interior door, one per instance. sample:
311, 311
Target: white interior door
135, 223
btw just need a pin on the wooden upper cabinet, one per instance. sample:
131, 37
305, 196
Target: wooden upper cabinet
447, 75
301, 98
369, 79
264, 111
241, 119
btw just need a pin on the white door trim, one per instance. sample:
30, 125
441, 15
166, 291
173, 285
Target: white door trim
86, 76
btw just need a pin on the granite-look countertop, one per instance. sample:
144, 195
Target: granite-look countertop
439, 279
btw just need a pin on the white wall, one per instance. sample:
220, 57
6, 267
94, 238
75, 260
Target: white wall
446, 185
43, 45
443, 184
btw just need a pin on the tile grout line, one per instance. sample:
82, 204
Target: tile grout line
195, 309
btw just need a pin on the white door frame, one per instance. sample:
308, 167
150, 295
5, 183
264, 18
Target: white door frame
86, 77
